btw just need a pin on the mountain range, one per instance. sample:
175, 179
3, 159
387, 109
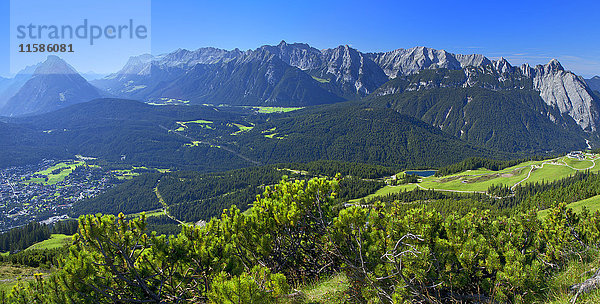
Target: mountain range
487, 105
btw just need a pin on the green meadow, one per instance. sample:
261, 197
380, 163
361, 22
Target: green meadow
55, 241
481, 179
55, 174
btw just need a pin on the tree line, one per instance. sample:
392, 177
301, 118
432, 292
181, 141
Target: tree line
193, 196
20, 238
475, 163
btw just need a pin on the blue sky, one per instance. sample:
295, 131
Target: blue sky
521, 31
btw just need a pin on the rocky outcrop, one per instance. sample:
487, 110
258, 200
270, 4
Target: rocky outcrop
409, 61
299, 55
568, 92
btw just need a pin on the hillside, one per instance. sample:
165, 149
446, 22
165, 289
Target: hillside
53, 85
21, 145
480, 180
122, 131
192, 196
209, 138
355, 133
489, 108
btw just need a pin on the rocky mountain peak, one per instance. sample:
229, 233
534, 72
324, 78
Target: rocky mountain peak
54, 65
54, 85
568, 92
299, 55
502, 65
136, 64
526, 70
553, 66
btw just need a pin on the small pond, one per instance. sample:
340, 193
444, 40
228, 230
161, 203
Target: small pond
425, 173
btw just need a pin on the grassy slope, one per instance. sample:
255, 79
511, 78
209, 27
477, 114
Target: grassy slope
592, 204
388, 190
151, 213
576, 271
55, 241
331, 291
479, 180
11, 274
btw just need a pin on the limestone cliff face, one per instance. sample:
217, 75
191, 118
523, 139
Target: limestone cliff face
299, 55
353, 70
409, 61
568, 92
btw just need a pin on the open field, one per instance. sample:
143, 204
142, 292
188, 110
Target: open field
481, 179
55, 241
267, 110
54, 174
388, 190
184, 124
577, 163
123, 174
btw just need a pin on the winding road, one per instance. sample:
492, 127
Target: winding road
165, 206
555, 161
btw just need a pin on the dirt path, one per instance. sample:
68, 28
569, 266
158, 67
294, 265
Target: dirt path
526, 178
559, 161
555, 162
162, 202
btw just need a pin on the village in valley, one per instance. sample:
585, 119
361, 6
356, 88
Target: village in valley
46, 191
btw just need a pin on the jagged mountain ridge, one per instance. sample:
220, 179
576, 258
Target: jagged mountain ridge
559, 89
546, 96
344, 71
216, 76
